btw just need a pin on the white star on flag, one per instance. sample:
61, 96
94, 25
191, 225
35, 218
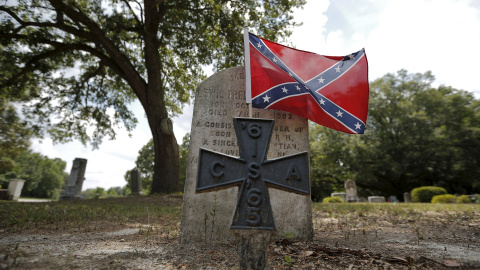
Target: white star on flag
285, 90
358, 126
338, 69
298, 88
274, 59
259, 45
266, 99
339, 113
322, 102
321, 80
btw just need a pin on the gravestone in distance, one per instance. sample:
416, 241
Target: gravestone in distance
15, 189
393, 199
373, 199
74, 185
351, 191
135, 182
407, 197
207, 216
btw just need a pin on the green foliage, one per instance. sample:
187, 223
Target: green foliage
145, 164
76, 65
14, 137
445, 198
463, 199
332, 200
42, 175
425, 194
288, 261
416, 135
183, 152
101, 193
330, 150
476, 198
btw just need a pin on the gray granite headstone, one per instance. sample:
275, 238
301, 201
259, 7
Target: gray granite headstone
393, 199
207, 216
373, 199
351, 191
135, 182
73, 188
407, 197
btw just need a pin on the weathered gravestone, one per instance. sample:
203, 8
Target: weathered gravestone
251, 171
73, 188
135, 182
407, 197
208, 216
351, 191
374, 199
393, 199
15, 189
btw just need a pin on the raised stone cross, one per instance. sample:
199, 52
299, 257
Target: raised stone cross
252, 172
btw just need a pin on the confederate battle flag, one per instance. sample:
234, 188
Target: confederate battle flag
329, 90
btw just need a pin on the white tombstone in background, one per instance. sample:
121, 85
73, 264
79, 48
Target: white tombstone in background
15, 189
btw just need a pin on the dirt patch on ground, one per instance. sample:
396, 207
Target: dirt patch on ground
350, 241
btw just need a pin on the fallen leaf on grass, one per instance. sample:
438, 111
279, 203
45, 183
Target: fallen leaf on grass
308, 253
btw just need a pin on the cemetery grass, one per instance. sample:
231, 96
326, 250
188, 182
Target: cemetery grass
143, 233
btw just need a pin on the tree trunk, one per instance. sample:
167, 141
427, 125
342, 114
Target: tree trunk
166, 170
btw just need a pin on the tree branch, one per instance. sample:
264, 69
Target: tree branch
123, 63
140, 23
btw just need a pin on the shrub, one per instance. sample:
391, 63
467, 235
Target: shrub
475, 198
445, 198
332, 200
425, 194
463, 199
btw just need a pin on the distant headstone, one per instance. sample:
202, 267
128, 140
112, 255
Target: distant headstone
208, 216
15, 189
135, 182
373, 199
351, 191
342, 195
407, 197
393, 199
73, 188
362, 199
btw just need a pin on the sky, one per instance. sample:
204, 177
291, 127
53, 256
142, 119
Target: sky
441, 36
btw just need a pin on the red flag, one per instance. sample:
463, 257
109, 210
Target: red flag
329, 90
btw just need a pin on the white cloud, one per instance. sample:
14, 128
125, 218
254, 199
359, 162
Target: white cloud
441, 36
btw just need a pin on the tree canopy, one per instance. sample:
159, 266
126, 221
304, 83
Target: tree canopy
77, 64
417, 135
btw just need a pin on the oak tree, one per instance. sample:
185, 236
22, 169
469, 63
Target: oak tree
77, 64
